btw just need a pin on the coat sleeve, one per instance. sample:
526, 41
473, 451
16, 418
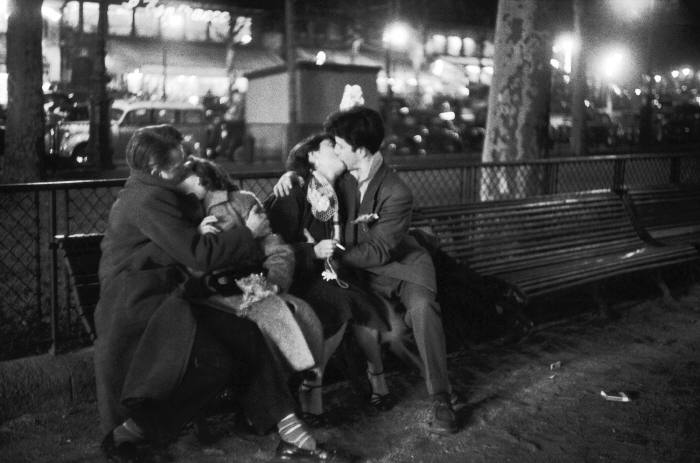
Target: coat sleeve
279, 261
394, 208
161, 219
287, 219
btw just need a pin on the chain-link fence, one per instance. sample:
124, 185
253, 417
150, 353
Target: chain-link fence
36, 315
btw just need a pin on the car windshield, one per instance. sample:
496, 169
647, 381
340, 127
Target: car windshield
115, 114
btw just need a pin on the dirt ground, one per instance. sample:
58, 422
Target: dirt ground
536, 400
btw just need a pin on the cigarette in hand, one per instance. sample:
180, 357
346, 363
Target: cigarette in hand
340, 246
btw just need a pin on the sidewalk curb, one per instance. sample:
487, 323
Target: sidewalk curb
46, 382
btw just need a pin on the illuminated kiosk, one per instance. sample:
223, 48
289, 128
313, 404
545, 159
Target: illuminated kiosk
319, 91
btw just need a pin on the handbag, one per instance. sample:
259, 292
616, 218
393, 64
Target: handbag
224, 281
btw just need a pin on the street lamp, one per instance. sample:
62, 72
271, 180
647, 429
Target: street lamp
395, 37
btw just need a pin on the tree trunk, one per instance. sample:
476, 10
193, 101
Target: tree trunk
24, 153
518, 115
100, 131
579, 144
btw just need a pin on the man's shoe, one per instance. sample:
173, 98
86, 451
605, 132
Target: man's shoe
126, 452
290, 452
443, 419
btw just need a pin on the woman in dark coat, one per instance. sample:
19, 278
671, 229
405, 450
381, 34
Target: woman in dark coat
314, 232
158, 357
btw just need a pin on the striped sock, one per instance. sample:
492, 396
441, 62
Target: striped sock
293, 431
128, 431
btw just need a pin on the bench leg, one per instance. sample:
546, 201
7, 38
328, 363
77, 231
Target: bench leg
661, 284
603, 306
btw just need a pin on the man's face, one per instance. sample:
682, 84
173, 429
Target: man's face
351, 158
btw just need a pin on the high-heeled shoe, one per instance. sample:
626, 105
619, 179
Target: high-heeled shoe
380, 402
313, 420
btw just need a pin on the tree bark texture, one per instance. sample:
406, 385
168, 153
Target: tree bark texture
100, 130
24, 149
518, 115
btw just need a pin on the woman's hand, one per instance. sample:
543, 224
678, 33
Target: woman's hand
285, 183
325, 248
258, 223
207, 225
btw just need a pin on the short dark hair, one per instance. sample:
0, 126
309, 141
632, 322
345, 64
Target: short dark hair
298, 159
211, 175
150, 149
360, 126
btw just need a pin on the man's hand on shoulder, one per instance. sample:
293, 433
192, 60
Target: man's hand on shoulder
285, 184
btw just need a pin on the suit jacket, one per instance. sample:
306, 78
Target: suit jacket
383, 246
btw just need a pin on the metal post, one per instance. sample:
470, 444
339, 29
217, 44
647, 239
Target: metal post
675, 174
619, 174
292, 135
54, 274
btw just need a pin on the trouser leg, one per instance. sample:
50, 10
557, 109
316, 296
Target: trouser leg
209, 370
424, 318
264, 396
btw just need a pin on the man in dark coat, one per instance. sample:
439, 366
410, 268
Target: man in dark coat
148, 333
379, 209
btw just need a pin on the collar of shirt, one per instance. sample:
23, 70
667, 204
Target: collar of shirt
363, 180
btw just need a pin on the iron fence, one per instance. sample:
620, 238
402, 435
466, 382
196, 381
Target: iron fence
36, 313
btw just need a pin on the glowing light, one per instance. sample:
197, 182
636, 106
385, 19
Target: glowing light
657, 78
686, 71
631, 9
320, 58
675, 73
447, 116
438, 67
565, 45
49, 13
637, 91
246, 39
176, 20
554, 63
396, 35
193, 100
611, 64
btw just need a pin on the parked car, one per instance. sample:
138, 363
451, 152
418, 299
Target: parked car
419, 130
680, 124
600, 130
127, 117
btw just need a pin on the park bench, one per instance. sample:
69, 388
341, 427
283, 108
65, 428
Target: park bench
547, 244
81, 259
665, 215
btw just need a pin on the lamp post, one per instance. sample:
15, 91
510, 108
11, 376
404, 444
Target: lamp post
645, 123
396, 36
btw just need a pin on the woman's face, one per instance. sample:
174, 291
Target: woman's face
325, 160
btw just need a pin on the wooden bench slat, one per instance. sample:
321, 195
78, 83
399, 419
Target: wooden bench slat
546, 244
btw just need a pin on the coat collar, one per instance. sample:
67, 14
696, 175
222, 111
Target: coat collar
214, 197
139, 178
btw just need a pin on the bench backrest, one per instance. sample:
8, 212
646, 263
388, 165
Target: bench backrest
667, 213
494, 238
81, 257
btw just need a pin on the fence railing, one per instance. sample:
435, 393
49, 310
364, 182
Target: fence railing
35, 307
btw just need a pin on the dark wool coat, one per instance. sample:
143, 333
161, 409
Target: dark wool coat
145, 328
382, 246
